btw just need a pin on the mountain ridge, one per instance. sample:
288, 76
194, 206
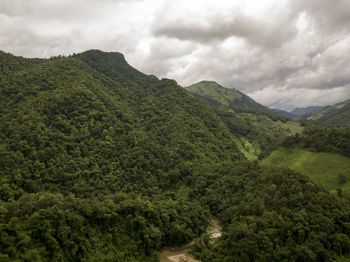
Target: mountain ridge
299, 112
255, 126
223, 96
337, 115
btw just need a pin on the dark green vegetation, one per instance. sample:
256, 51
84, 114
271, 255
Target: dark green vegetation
255, 127
273, 215
84, 133
100, 162
334, 116
318, 139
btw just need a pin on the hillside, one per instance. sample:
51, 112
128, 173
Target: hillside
255, 126
220, 96
100, 162
334, 116
332, 171
80, 144
321, 153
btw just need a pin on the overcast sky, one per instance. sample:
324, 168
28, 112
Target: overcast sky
283, 53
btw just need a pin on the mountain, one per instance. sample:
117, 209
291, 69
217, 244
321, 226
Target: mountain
79, 110
86, 143
334, 116
255, 126
299, 113
282, 112
100, 162
220, 96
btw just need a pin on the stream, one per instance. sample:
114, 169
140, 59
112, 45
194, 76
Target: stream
179, 254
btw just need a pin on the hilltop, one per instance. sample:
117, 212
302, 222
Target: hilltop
220, 96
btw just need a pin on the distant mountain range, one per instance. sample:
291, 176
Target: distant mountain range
299, 113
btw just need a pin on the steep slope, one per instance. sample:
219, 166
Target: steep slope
220, 96
254, 126
67, 102
81, 144
334, 116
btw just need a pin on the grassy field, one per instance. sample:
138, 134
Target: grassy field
294, 127
323, 168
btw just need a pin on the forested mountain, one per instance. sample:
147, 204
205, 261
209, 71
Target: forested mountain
255, 126
100, 162
334, 116
220, 96
80, 144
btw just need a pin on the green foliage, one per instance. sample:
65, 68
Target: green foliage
247, 120
320, 139
328, 169
100, 162
230, 100
334, 116
321, 153
53, 227
91, 126
273, 215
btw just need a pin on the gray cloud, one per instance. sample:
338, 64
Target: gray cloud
329, 16
283, 53
220, 28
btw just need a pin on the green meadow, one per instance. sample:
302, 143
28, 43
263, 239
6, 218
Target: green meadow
332, 171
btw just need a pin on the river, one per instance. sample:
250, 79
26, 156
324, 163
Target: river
179, 254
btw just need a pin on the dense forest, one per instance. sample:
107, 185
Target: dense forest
100, 162
273, 215
255, 126
321, 139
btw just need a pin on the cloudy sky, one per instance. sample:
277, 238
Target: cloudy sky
283, 53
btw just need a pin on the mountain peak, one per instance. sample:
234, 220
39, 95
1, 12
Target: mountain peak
96, 55
115, 66
207, 84
218, 95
